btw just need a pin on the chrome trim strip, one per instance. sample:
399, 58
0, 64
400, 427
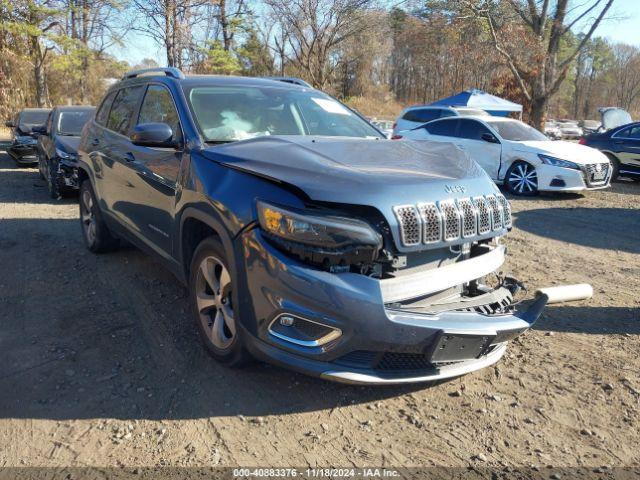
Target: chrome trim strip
437, 279
335, 333
447, 371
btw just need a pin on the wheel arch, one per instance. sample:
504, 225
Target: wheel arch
196, 224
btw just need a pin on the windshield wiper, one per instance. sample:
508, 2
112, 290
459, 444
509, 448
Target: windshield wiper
218, 142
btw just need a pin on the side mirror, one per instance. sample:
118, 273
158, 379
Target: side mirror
9, 124
489, 137
40, 129
153, 135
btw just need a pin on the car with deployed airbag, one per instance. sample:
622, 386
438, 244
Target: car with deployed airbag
304, 237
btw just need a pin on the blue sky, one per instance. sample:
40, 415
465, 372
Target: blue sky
623, 26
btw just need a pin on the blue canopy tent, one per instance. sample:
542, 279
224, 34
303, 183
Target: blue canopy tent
478, 99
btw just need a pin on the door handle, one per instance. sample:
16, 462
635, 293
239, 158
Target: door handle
129, 157
95, 142
618, 142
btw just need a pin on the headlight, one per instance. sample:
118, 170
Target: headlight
319, 239
65, 155
558, 162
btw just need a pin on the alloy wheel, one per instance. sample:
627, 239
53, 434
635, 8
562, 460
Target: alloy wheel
523, 179
214, 304
88, 217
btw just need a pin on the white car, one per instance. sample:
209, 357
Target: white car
519, 156
417, 115
570, 129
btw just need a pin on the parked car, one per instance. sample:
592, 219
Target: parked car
622, 146
590, 126
23, 138
552, 130
385, 126
417, 115
305, 238
569, 129
519, 156
58, 145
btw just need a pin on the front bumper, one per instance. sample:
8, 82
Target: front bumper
25, 153
68, 174
551, 178
377, 343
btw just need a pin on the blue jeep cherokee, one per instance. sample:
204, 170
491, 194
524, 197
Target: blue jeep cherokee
305, 237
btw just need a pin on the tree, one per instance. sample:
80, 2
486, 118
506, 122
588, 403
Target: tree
544, 26
315, 29
626, 72
255, 56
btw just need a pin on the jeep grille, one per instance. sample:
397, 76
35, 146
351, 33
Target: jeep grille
451, 220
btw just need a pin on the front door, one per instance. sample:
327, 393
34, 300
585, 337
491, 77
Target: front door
486, 153
156, 170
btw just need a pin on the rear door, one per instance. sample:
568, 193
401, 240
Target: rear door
155, 173
470, 139
117, 177
627, 146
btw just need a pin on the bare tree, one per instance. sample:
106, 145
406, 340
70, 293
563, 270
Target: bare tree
626, 71
546, 24
315, 28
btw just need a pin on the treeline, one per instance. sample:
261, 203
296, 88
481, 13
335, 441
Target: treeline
378, 57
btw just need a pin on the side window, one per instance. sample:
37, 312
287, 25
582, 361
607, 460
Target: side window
471, 129
123, 109
422, 115
446, 128
634, 132
158, 107
103, 111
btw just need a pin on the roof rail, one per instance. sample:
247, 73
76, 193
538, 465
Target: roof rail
292, 80
168, 71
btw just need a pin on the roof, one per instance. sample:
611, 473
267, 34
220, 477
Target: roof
478, 99
226, 80
74, 108
35, 110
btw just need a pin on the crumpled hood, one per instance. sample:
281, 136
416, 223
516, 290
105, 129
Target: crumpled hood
574, 152
380, 173
68, 144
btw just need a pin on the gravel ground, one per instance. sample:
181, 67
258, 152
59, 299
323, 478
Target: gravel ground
101, 365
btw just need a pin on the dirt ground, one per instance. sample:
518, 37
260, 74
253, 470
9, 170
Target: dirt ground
101, 365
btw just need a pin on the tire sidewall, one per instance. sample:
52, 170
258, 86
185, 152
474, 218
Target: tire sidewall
104, 240
52, 181
235, 354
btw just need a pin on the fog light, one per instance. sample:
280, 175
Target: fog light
286, 321
302, 331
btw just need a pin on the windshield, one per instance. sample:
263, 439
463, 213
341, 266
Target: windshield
517, 131
33, 117
71, 123
226, 113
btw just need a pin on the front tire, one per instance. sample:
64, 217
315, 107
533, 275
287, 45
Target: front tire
96, 234
52, 181
521, 179
211, 285
615, 167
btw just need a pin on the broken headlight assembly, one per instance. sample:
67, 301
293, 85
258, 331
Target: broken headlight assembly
333, 242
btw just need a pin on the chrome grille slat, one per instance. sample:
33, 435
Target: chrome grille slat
484, 215
469, 217
431, 222
496, 213
410, 225
506, 211
450, 220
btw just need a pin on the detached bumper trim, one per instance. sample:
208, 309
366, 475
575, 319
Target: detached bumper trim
435, 280
448, 371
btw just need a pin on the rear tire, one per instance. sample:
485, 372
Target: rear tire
52, 181
96, 234
521, 179
211, 286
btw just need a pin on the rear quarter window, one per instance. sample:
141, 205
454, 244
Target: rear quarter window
422, 115
445, 128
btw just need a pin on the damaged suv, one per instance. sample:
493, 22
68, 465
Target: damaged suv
305, 238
